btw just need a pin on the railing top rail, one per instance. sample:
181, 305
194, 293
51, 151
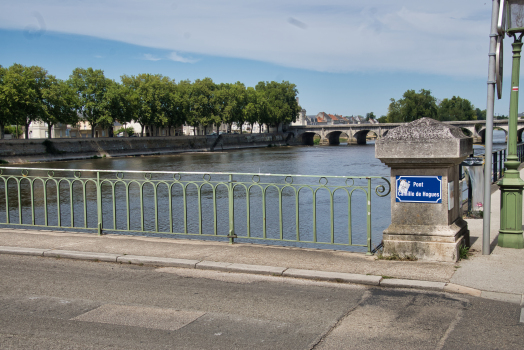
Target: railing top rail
188, 173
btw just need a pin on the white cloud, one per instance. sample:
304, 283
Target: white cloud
150, 57
447, 37
177, 58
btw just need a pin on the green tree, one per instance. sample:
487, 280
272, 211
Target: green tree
5, 116
456, 108
370, 115
253, 109
281, 102
146, 92
230, 103
202, 104
412, 106
481, 114
383, 119
118, 104
60, 104
91, 86
23, 93
174, 103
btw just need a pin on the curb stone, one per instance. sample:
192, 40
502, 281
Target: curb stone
401, 283
148, 260
455, 288
22, 251
506, 297
333, 276
213, 265
257, 269
70, 254
269, 270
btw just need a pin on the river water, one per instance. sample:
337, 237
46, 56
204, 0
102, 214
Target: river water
342, 160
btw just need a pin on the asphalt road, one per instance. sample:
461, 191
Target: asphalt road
48, 303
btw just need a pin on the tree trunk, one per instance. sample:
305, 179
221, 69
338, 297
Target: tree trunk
92, 131
1, 131
26, 131
252, 128
141, 130
49, 127
194, 131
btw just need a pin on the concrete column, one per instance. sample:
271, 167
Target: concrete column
421, 154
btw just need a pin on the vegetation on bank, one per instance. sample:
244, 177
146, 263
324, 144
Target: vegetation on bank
415, 105
29, 94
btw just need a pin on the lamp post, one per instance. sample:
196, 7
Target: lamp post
510, 234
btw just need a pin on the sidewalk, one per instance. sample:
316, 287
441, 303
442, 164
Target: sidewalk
497, 276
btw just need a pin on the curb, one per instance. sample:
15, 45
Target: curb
339, 277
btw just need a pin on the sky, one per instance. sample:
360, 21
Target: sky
346, 57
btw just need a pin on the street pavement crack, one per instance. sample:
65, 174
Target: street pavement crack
367, 294
450, 329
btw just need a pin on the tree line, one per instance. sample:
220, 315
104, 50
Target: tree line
29, 94
415, 105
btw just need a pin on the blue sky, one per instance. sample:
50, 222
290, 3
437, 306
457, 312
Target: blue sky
346, 57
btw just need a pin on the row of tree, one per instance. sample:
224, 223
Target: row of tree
414, 105
29, 94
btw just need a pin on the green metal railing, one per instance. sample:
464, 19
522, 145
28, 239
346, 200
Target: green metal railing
267, 207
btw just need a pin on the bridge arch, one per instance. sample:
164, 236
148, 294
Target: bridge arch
467, 132
361, 136
308, 138
482, 133
333, 138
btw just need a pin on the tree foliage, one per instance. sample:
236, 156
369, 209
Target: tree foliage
152, 100
456, 108
412, 106
415, 105
91, 86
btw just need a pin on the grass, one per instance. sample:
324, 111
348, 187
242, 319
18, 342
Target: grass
464, 252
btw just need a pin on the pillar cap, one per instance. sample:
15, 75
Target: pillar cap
422, 141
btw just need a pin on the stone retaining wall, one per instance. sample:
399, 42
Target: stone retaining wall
35, 150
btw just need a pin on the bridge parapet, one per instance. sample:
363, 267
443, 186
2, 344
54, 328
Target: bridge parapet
424, 158
356, 133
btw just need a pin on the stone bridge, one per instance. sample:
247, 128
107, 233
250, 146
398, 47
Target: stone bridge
357, 133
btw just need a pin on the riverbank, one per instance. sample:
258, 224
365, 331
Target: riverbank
45, 150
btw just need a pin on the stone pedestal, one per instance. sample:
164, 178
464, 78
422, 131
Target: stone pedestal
425, 150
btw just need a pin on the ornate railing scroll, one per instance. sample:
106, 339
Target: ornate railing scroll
332, 210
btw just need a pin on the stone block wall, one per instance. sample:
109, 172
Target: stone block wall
21, 151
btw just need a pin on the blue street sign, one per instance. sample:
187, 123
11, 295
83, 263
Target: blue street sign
419, 189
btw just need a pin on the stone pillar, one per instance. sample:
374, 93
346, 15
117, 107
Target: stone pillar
424, 157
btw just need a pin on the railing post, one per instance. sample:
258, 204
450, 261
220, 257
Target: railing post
495, 177
231, 198
368, 206
501, 163
470, 195
99, 202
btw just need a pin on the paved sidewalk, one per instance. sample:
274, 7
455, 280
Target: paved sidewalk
497, 276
